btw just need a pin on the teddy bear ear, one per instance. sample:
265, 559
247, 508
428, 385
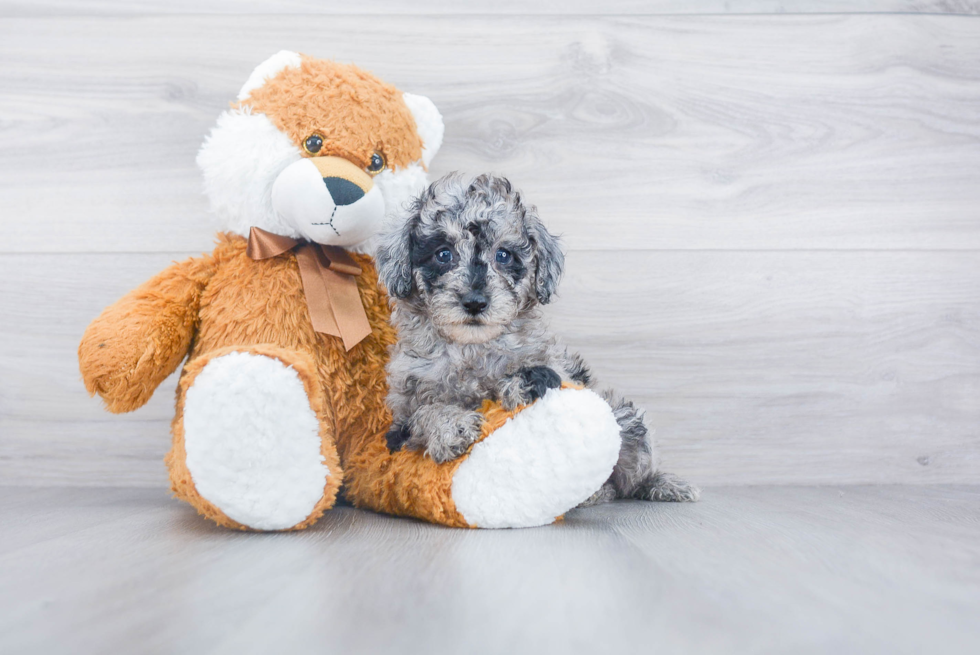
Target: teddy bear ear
428, 122
269, 69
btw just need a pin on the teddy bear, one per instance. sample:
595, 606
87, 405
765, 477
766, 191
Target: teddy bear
284, 330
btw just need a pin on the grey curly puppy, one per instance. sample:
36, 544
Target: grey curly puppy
467, 270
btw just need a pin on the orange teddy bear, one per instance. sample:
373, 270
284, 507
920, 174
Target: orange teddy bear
285, 329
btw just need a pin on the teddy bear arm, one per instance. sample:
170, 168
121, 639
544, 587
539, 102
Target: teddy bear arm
140, 340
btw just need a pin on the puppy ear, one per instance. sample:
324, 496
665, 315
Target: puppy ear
549, 260
394, 256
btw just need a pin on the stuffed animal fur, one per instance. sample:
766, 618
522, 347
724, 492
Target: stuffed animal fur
281, 399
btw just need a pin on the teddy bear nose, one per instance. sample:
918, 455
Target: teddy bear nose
343, 192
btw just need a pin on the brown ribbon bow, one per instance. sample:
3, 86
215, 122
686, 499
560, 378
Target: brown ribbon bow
328, 281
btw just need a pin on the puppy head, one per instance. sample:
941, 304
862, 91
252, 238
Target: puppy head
472, 257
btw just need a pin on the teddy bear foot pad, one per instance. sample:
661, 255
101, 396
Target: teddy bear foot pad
543, 462
252, 441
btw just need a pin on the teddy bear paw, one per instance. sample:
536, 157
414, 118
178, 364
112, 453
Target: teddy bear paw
546, 460
253, 442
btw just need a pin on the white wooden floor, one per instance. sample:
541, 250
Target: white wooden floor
748, 570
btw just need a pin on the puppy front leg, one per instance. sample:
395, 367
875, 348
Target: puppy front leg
443, 431
527, 385
532, 382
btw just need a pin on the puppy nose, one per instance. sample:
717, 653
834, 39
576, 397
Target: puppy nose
474, 302
343, 192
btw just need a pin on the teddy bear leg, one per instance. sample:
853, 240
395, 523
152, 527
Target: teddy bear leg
542, 462
529, 468
252, 446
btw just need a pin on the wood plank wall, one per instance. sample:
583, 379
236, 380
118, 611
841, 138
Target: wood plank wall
772, 209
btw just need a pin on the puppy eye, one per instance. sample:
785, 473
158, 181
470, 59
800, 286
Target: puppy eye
313, 144
503, 256
377, 163
444, 256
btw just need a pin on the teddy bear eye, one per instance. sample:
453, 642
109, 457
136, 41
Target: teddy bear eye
444, 256
313, 144
377, 163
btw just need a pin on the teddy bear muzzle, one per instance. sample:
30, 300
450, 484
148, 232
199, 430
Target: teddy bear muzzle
328, 200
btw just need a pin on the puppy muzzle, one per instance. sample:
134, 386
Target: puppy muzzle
329, 200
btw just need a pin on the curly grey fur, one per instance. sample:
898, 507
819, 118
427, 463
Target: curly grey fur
448, 359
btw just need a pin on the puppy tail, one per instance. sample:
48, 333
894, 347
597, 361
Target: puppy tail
667, 487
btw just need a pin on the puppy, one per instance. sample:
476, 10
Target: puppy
467, 270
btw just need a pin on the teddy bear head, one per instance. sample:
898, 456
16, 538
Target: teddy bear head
317, 150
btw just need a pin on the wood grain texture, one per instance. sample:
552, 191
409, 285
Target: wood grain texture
773, 219
755, 367
816, 367
738, 132
754, 569
472, 7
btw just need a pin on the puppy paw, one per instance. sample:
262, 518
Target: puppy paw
536, 380
605, 494
397, 436
456, 437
